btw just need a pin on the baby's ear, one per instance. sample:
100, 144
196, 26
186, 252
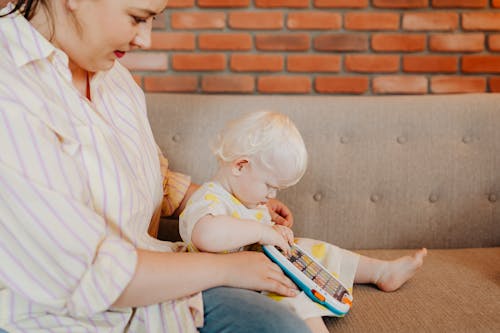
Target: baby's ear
238, 165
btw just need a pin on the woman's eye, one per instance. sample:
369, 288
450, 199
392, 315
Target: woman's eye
138, 19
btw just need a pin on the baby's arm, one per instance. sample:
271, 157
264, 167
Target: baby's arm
221, 233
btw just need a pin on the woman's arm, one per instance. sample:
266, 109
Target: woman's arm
164, 276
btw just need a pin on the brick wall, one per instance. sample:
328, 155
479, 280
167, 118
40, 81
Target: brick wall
316, 47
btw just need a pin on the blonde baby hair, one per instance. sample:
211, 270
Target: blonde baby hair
270, 137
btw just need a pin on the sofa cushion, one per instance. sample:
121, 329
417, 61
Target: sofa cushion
456, 290
384, 172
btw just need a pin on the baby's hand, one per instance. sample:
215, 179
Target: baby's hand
277, 235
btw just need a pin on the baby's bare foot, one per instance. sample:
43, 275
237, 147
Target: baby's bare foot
395, 273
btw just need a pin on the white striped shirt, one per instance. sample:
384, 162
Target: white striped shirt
79, 183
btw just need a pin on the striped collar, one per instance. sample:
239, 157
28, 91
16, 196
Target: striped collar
24, 42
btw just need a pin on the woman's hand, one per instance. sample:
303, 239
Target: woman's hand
154, 282
253, 270
280, 213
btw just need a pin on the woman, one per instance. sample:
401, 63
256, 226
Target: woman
80, 181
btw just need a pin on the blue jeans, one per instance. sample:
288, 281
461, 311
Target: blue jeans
232, 310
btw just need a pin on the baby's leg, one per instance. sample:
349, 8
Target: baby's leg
388, 275
316, 325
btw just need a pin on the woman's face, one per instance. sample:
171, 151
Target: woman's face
100, 31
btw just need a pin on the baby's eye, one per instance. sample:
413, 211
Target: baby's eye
272, 187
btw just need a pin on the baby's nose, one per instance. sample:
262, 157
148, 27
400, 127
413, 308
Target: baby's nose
271, 194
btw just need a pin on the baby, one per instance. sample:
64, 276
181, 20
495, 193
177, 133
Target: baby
259, 154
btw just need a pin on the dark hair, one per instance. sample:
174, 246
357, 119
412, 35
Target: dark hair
26, 7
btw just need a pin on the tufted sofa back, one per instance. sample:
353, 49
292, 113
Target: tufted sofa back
384, 172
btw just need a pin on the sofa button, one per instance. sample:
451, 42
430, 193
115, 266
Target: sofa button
402, 139
318, 196
492, 197
375, 198
176, 138
467, 139
344, 139
433, 198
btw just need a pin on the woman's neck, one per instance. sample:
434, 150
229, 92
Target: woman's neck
52, 27
81, 79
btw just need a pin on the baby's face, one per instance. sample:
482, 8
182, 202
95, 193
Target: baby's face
255, 185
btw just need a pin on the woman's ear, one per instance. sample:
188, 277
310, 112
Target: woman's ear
72, 4
238, 165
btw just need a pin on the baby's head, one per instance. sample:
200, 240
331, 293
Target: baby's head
261, 148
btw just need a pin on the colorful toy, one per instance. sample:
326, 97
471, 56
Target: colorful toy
311, 277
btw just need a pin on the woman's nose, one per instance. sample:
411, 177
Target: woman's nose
143, 38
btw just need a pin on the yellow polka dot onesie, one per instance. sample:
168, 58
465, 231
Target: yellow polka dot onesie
211, 198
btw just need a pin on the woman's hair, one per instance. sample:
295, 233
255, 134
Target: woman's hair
269, 137
26, 7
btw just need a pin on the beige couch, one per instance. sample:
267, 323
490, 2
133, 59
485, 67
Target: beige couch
386, 174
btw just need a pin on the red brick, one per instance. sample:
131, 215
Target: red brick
481, 64
172, 41
198, 62
228, 84
428, 21
313, 63
398, 42
284, 84
341, 85
187, 20
137, 79
371, 21
459, 3
371, 63
160, 21
180, 3
430, 64
145, 61
341, 3
494, 83
233, 42
341, 42
481, 21
282, 42
256, 20
176, 83
399, 85
457, 42
314, 20
495, 3
256, 63
223, 3
400, 3
494, 43
457, 84
282, 3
